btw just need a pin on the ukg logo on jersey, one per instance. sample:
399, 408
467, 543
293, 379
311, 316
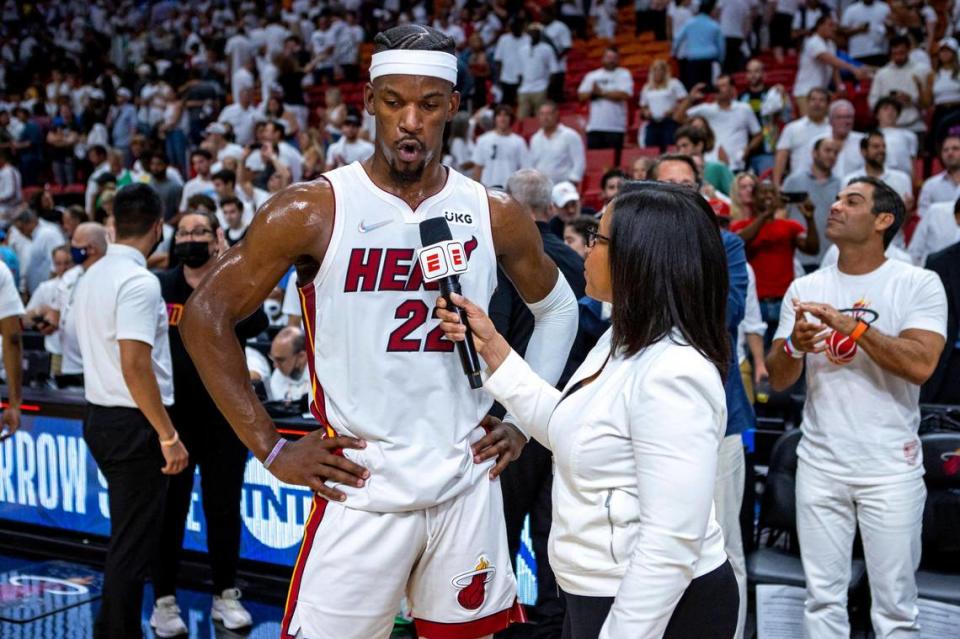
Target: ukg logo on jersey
273, 512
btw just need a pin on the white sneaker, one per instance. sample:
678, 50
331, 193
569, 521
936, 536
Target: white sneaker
228, 610
166, 619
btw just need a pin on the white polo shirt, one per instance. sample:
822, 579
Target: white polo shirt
118, 298
798, 138
72, 363
560, 156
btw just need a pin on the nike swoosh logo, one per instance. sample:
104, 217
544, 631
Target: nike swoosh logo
363, 227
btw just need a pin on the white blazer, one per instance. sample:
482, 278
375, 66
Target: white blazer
635, 454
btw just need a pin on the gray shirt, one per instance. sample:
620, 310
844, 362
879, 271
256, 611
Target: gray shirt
169, 192
823, 193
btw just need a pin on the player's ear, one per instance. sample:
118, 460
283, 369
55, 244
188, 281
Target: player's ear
368, 97
454, 106
883, 221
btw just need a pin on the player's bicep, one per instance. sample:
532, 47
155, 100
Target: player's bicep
520, 249
293, 227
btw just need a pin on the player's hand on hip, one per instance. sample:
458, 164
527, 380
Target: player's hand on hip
314, 460
490, 345
176, 457
11, 422
503, 441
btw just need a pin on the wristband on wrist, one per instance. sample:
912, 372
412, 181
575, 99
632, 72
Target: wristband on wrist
273, 453
859, 330
790, 350
167, 443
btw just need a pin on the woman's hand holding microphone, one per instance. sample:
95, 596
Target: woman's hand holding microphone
490, 344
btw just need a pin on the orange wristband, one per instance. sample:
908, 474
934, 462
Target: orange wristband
859, 330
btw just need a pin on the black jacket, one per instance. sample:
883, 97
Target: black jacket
943, 387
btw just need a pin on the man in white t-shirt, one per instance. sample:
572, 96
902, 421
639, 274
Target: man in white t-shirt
819, 65
607, 89
350, 147
539, 62
902, 81
864, 22
508, 60
938, 228
735, 22
734, 123
241, 116
11, 309
500, 152
796, 139
238, 48
873, 148
902, 144
870, 331
559, 37
849, 158
201, 184
944, 186
556, 150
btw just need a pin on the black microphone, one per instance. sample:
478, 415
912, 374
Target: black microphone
444, 260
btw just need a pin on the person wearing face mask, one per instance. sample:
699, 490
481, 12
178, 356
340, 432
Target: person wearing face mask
213, 446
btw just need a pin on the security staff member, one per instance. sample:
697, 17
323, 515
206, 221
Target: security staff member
213, 446
11, 309
122, 329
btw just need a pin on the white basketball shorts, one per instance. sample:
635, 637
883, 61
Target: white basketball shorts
451, 561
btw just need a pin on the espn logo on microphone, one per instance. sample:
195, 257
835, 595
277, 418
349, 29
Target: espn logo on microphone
442, 260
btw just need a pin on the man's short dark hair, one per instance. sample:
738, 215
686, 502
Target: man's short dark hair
225, 175
885, 200
210, 216
413, 37
202, 153
613, 48
611, 174
136, 208
505, 108
887, 101
99, 149
654, 170
76, 212
819, 90
696, 135
900, 41
200, 200
230, 199
865, 140
823, 18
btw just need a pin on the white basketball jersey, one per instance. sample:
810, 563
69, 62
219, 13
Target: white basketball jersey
382, 370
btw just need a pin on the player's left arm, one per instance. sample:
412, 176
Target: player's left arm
912, 355
551, 301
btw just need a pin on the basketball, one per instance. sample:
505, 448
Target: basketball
841, 349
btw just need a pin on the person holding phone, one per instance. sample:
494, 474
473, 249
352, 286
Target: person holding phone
11, 309
771, 241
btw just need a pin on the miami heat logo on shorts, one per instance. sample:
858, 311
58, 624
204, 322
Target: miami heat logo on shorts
473, 584
841, 349
951, 462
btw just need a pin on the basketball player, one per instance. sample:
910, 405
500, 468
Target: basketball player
402, 471
870, 330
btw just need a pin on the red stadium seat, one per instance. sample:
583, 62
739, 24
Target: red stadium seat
598, 159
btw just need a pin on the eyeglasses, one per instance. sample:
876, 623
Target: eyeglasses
195, 234
593, 237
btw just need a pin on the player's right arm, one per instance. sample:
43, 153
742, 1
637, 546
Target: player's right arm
293, 227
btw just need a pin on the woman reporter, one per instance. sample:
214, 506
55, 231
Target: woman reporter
635, 544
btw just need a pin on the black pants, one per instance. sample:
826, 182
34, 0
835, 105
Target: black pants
697, 71
555, 90
605, 140
527, 484
660, 134
509, 92
127, 451
707, 610
733, 62
222, 458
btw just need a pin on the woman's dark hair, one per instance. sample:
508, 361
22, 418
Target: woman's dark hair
136, 208
668, 271
414, 37
885, 200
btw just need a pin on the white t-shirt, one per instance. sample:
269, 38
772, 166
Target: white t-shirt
560, 35
901, 148
798, 138
241, 79
811, 73
507, 54
936, 231
539, 61
874, 40
344, 152
733, 16
240, 49
10, 303
47, 295
561, 156
288, 389
72, 363
733, 127
119, 299
832, 255
662, 101
937, 188
241, 120
461, 152
872, 439
946, 87
752, 322
197, 186
608, 115
500, 156
896, 180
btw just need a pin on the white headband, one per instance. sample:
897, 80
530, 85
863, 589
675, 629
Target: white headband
435, 64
